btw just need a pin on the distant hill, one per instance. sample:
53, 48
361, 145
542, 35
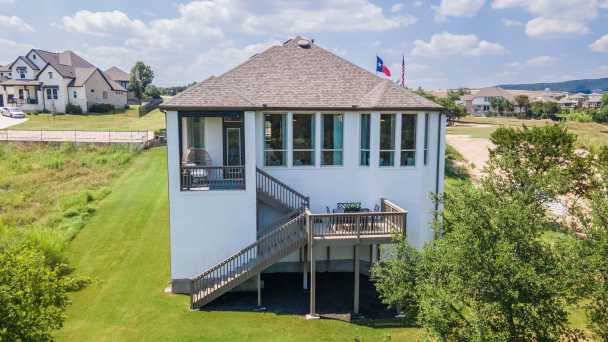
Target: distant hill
579, 86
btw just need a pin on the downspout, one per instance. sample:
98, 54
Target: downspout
438, 161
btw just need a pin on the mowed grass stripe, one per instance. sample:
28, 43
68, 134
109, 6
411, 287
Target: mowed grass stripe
125, 248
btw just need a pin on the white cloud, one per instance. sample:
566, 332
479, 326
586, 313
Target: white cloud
555, 18
512, 23
418, 3
542, 61
330, 16
445, 44
10, 49
15, 24
457, 8
600, 45
397, 7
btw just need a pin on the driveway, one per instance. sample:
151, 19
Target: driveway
6, 122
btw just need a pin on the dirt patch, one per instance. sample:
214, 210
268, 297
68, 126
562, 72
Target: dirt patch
474, 150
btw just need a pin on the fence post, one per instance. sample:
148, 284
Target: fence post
109, 139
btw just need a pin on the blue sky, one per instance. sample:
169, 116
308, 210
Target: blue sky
447, 43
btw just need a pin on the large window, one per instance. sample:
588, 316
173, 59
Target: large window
303, 140
196, 132
275, 141
408, 140
387, 140
365, 140
332, 128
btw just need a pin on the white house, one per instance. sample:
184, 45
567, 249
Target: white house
49, 81
480, 103
123, 78
296, 161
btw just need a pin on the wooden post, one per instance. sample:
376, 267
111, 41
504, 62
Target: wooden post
313, 285
356, 274
259, 281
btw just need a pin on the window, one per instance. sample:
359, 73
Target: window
22, 71
195, 126
92, 90
426, 138
75, 94
105, 95
34, 57
275, 142
21, 94
51, 93
332, 128
303, 140
365, 140
387, 140
50, 75
408, 140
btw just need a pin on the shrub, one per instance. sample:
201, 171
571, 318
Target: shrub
73, 109
600, 115
101, 108
580, 116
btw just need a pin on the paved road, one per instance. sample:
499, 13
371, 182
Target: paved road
6, 122
132, 137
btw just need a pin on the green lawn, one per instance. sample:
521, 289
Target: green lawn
129, 120
590, 135
125, 249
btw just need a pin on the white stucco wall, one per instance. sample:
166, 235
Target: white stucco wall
95, 88
208, 226
30, 73
39, 62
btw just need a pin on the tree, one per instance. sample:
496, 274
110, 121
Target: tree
501, 105
605, 100
489, 275
523, 102
33, 295
141, 76
152, 92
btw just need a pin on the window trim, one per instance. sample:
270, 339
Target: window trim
369, 139
285, 138
394, 149
312, 150
427, 120
341, 150
415, 149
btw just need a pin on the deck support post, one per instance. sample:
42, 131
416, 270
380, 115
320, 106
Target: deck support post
313, 285
356, 275
259, 283
305, 267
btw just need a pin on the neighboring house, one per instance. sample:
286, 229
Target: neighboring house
480, 103
121, 77
5, 72
573, 101
594, 101
49, 81
260, 157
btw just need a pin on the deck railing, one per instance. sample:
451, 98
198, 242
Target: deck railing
280, 191
357, 224
250, 260
213, 177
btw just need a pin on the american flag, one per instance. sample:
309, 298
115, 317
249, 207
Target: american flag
403, 72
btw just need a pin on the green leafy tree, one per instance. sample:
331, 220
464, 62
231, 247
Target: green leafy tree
152, 92
523, 103
501, 105
141, 76
605, 100
33, 295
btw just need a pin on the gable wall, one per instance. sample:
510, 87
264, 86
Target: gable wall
30, 73
95, 88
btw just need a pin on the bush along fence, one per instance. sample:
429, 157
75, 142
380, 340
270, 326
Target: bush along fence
77, 136
147, 107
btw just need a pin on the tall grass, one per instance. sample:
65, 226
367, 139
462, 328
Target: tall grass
47, 192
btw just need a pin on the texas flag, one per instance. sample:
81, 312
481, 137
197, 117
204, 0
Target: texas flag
380, 67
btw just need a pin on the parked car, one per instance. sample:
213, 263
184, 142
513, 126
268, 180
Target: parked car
12, 112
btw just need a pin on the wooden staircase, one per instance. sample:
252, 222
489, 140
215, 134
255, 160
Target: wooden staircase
285, 236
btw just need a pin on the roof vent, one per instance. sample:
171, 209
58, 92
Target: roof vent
304, 43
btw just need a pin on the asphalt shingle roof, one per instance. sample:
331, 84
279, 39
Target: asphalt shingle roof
291, 76
117, 74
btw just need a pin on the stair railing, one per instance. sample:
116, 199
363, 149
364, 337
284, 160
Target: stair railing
280, 191
248, 260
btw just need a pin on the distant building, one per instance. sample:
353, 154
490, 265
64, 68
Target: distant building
123, 78
480, 102
5, 72
43, 80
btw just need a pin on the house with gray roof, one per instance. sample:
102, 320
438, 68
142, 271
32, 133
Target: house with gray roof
479, 103
50, 81
296, 161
